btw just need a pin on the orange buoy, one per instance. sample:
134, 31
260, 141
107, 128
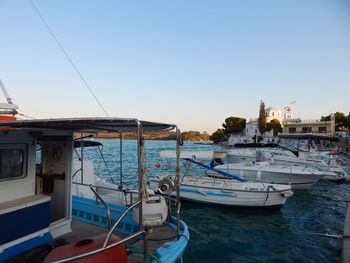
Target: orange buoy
116, 254
157, 165
333, 152
201, 162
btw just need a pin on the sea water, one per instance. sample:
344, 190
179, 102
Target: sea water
222, 234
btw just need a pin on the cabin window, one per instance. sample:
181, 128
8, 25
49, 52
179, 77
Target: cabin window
13, 159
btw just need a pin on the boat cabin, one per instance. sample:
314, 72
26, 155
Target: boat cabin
35, 202
36, 176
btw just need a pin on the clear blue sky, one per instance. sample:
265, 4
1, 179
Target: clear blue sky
193, 63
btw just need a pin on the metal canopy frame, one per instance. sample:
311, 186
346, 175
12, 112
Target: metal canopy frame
119, 125
88, 125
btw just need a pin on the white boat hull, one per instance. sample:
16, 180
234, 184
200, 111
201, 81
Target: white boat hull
230, 193
330, 172
295, 176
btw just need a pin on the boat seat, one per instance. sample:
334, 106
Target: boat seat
24, 216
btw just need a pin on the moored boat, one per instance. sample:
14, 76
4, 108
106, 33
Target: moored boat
36, 202
314, 151
299, 177
226, 192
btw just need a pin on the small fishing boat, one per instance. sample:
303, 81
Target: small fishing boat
38, 213
229, 190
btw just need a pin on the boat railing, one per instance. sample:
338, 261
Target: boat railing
125, 191
118, 222
105, 244
108, 211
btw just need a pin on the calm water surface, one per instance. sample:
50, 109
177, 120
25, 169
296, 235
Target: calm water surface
241, 235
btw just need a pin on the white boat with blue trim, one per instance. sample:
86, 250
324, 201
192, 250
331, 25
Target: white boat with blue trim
228, 190
37, 208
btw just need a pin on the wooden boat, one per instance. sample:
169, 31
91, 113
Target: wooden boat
37, 210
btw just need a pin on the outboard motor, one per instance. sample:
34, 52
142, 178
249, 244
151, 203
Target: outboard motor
154, 211
166, 186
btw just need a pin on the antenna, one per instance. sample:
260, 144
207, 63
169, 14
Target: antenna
7, 96
9, 107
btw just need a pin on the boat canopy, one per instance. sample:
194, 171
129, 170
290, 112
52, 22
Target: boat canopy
86, 143
309, 137
88, 125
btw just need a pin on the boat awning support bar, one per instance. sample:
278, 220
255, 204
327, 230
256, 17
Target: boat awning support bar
108, 211
231, 176
121, 161
178, 175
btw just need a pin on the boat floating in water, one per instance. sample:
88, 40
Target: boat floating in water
228, 190
37, 208
299, 177
308, 150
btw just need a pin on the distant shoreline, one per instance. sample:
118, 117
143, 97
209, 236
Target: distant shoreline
166, 136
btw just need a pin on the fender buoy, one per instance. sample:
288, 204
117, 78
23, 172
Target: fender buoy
116, 254
157, 165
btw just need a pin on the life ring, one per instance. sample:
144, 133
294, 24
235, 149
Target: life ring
333, 152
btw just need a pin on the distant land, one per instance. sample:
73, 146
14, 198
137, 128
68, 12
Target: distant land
168, 135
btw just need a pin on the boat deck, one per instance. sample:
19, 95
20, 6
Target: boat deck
81, 230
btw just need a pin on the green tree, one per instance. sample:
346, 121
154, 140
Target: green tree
234, 125
218, 136
341, 120
274, 125
262, 118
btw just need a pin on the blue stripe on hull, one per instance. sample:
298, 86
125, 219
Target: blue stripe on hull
25, 221
206, 192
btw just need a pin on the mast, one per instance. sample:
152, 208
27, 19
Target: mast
7, 108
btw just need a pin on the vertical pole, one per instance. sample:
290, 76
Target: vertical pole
178, 174
141, 175
121, 161
82, 158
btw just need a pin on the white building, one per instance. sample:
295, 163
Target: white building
252, 127
273, 113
